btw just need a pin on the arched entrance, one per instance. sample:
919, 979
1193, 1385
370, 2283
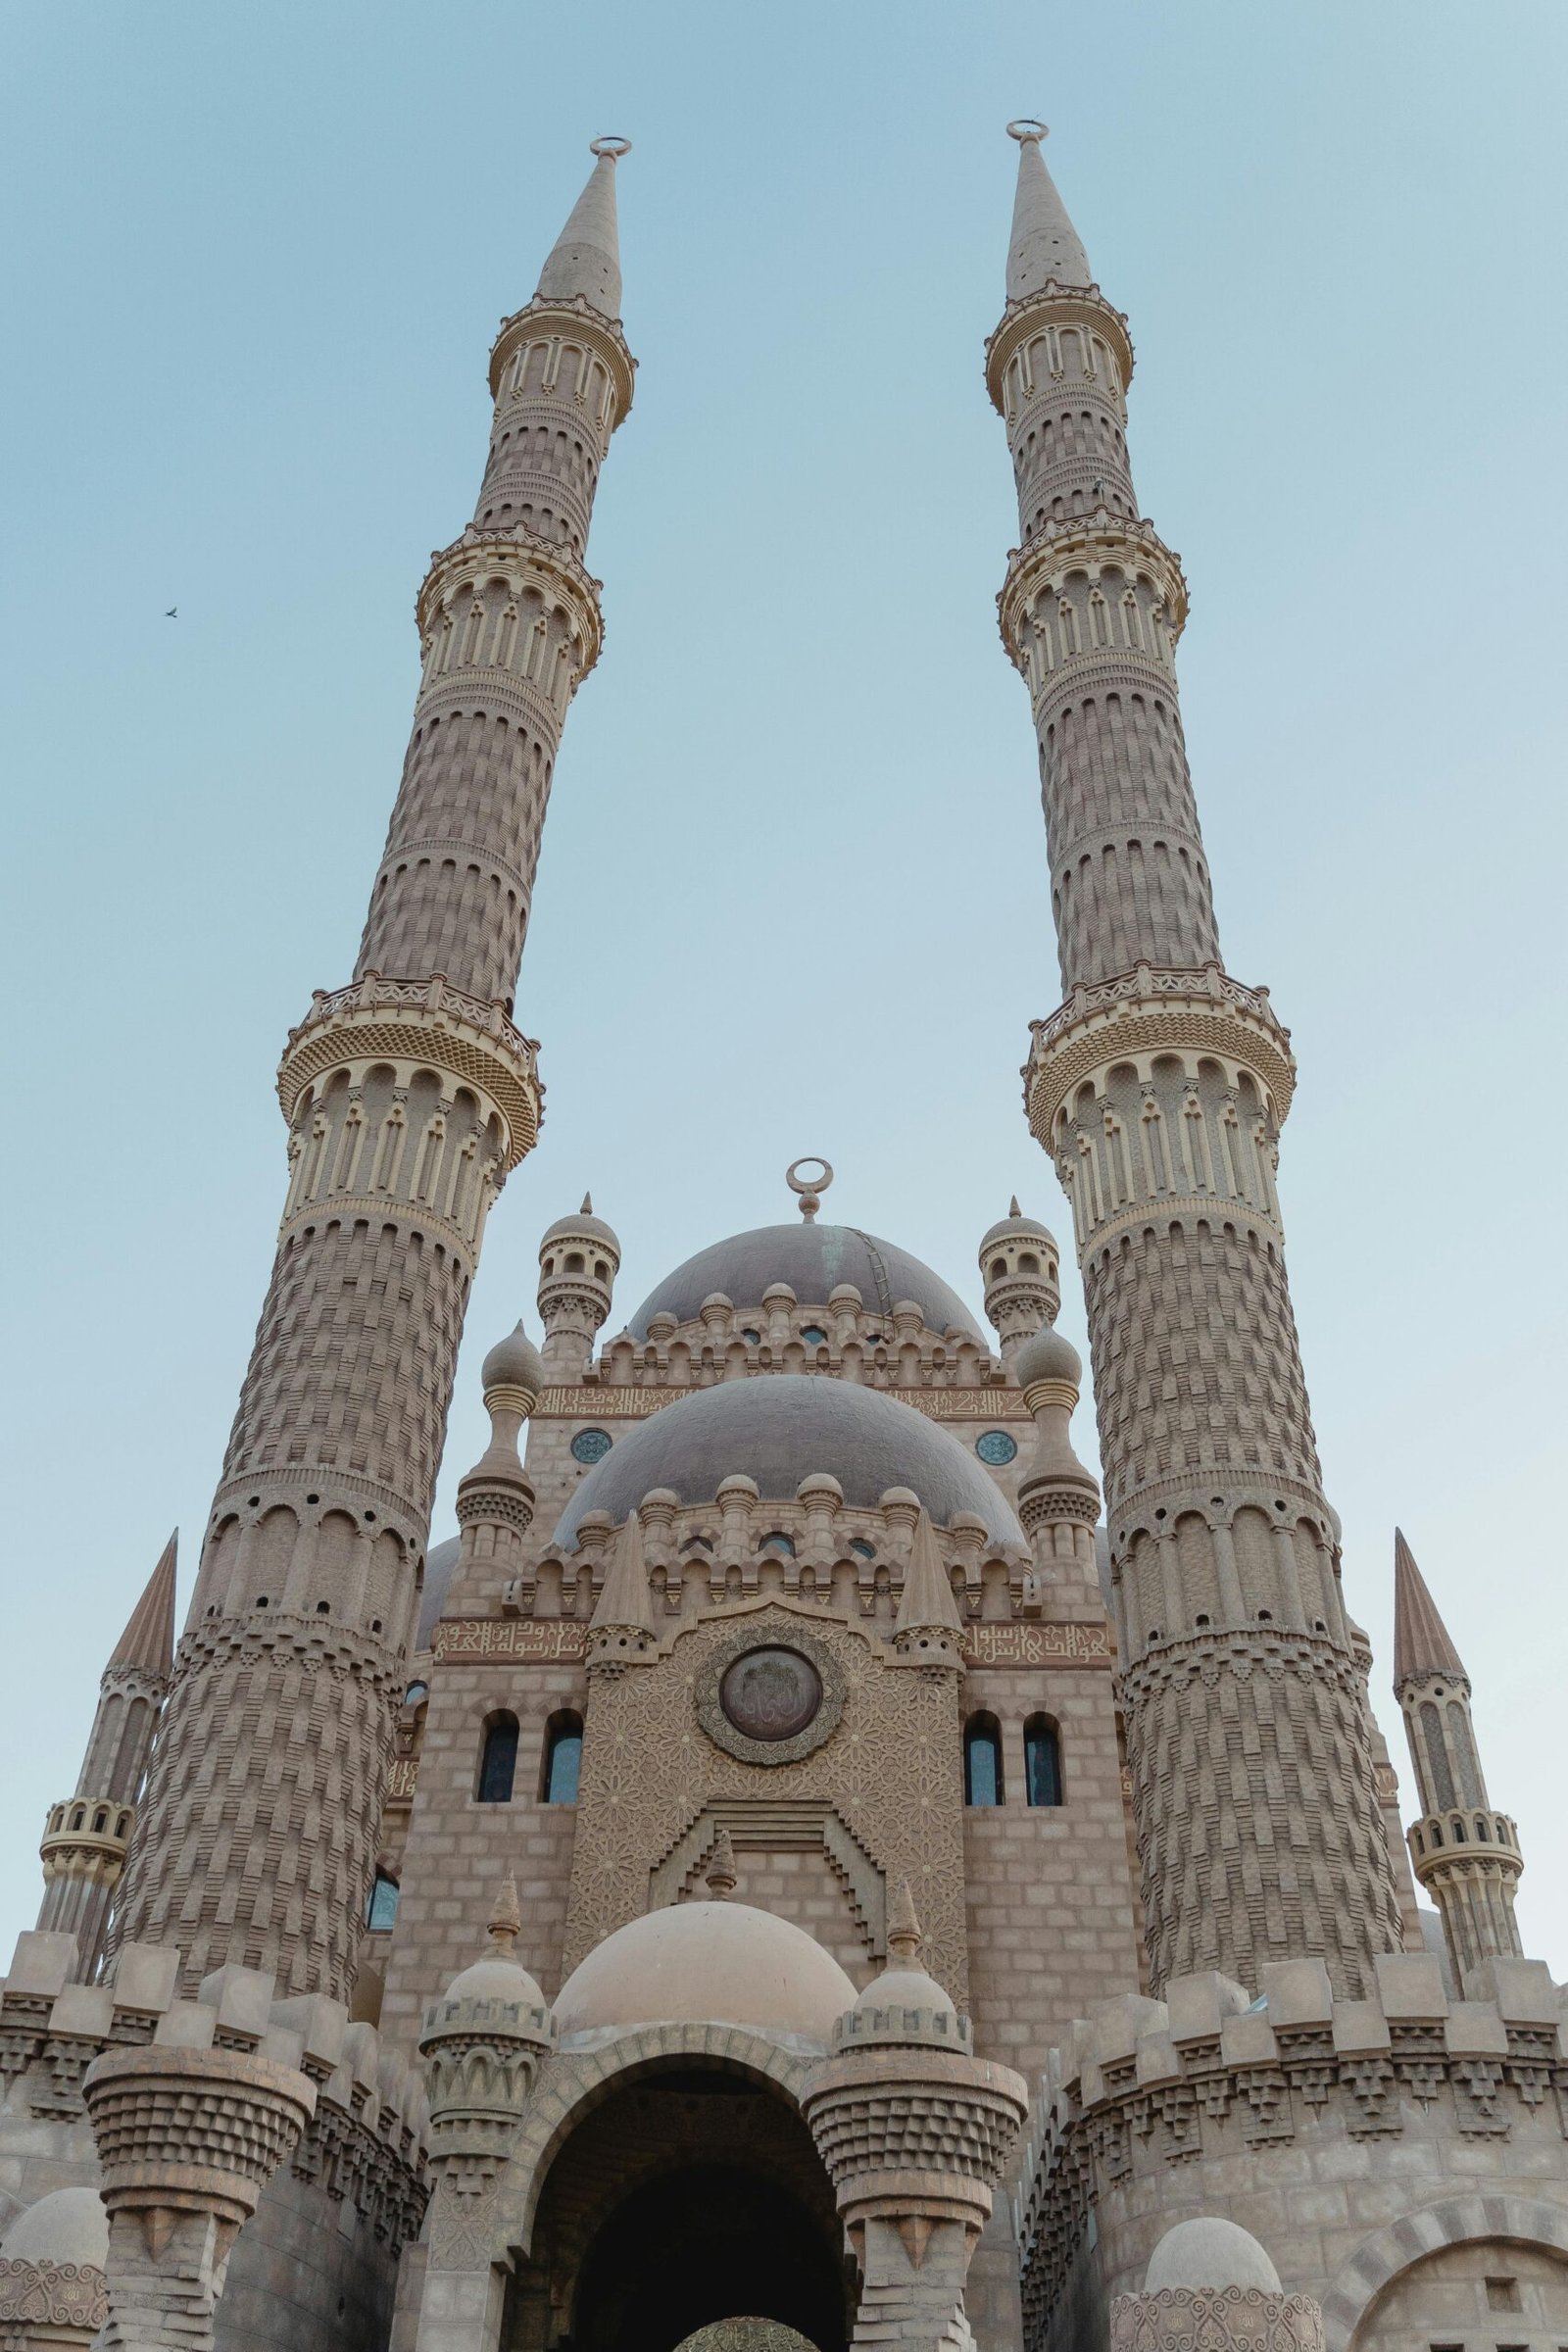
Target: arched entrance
685, 2199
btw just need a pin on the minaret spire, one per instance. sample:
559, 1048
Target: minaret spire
408, 1095
1464, 1854
1045, 248
584, 261
85, 1839
1160, 1088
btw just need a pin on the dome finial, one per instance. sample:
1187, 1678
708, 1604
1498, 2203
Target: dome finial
810, 1187
1014, 1210
587, 1209
505, 1922
903, 1928
720, 1876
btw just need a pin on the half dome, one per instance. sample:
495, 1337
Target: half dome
778, 1428
813, 1259
725, 1964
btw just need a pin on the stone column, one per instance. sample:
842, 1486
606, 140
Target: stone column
914, 2130
188, 2140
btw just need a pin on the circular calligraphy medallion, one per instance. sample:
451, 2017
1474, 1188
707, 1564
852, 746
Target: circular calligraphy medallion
591, 1445
995, 1448
771, 1695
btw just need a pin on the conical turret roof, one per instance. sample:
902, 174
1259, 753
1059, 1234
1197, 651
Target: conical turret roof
1045, 243
586, 258
1422, 1644
148, 1641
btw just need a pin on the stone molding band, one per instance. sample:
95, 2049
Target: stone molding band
1056, 305
424, 1021
1203, 1013
1221, 2318
527, 560
438, 849
1089, 543
581, 323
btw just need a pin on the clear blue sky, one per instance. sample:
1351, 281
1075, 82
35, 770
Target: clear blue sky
793, 893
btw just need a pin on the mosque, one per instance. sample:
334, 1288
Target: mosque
811, 1861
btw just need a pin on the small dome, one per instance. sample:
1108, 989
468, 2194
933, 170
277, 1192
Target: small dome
707, 1964
515, 1362
585, 1226
778, 1429
1209, 2253
494, 1978
71, 2225
814, 1259
906, 1988
1048, 1355
1017, 1229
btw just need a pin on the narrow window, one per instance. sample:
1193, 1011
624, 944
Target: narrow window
982, 1761
498, 1760
562, 1760
1042, 1761
384, 1909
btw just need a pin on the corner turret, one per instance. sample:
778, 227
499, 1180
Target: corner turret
579, 1258
1021, 1268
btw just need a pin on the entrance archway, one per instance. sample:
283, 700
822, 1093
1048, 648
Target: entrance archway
685, 2199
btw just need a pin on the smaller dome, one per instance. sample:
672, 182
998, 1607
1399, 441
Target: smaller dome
906, 1988
494, 1978
71, 2225
1048, 1355
723, 1964
1209, 2253
584, 1226
515, 1362
1016, 1227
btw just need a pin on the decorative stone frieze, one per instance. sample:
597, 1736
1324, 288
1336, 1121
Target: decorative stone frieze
50, 2303
1225, 2319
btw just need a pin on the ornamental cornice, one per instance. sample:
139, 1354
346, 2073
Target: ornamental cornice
625, 1402
1091, 544
526, 559
426, 1021
1134, 1510
1239, 1651
583, 323
1054, 306
1155, 1010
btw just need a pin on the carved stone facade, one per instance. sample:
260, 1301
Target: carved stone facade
852, 1794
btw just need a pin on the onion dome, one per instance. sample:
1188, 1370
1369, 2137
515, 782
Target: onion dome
780, 1430
714, 1963
515, 1362
1048, 1355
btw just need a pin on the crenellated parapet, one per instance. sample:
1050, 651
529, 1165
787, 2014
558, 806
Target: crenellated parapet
1162, 2108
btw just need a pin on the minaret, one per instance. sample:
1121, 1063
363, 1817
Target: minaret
84, 1841
408, 1097
1158, 1087
579, 1258
1466, 1856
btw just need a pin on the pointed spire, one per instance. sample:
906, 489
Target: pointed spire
506, 1921
148, 1641
1014, 1210
587, 1209
720, 1876
927, 1597
625, 1599
1045, 243
586, 257
905, 1939
1422, 1644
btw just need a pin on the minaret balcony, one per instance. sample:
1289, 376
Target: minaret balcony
1090, 546
86, 1839
1155, 1010
560, 326
1465, 1842
1016, 365
425, 1023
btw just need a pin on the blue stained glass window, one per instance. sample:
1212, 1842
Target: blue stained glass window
591, 1445
997, 1447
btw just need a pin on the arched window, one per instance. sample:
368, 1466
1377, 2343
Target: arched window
1042, 1761
415, 1694
562, 1765
498, 1760
982, 1761
382, 1912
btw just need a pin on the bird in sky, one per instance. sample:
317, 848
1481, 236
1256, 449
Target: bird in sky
172, 614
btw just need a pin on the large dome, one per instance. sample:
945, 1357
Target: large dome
813, 1259
699, 1964
780, 1427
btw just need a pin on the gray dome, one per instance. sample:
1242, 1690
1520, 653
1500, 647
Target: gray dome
1048, 1355
777, 1428
1016, 1229
440, 1564
813, 1259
